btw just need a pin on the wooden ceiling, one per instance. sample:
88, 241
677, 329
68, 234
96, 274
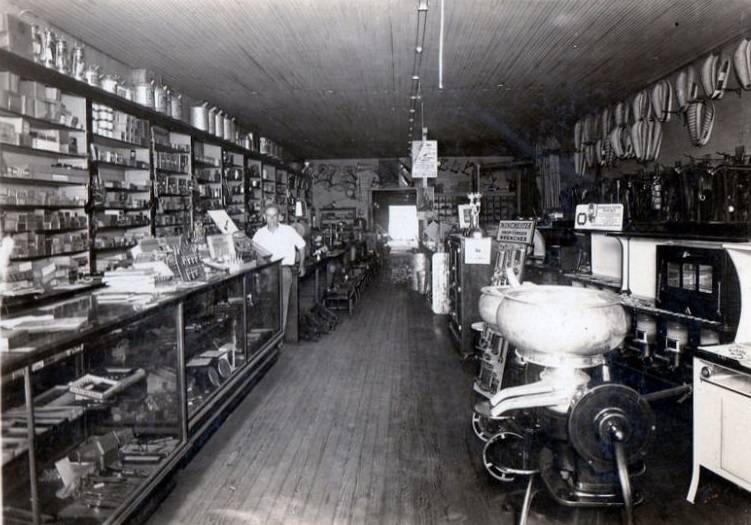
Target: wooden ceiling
333, 78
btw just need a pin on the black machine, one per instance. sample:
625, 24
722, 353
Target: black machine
698, 281
552, 412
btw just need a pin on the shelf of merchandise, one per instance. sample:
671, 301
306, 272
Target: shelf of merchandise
297, 191
445, 206
268, 183
44, 190
40, 152
119, 148
72, 124
207, 185
173, 203
77, 134
282, 195
233, 187
254, 195
495, 208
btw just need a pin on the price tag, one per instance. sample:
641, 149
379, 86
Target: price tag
47, 270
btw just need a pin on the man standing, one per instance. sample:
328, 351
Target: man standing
284, 243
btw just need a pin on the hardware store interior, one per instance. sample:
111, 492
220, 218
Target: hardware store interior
522, 293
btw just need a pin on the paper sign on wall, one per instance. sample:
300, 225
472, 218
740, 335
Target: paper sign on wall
424, 159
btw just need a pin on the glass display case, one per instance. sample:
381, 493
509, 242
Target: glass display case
262, 289
102, 398
105, 413
214, 342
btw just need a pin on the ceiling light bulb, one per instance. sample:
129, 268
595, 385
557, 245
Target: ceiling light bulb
412, 110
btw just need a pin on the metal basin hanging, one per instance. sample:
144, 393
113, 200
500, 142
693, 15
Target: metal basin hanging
562, 322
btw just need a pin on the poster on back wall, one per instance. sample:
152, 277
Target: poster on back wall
424, 159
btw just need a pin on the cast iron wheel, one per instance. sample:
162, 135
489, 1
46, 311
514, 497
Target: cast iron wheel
605, 414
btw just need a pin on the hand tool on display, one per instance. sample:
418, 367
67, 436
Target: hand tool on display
671, 197
657, 196
704, 195
718, 190
687, 205
731, 198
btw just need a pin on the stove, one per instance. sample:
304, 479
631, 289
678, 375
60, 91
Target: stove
733, 355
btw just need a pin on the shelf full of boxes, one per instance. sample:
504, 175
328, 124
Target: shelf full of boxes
268, 183
254, 195
43, 185
282, 195
173, 209
207, 186
121, 184
233, 187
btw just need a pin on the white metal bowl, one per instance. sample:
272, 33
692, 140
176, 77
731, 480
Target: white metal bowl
563, 321
489, 301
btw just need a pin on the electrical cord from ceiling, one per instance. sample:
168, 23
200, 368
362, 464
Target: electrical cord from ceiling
415, 94
440, 50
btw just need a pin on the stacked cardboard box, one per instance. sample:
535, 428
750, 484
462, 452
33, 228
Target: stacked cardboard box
15, 36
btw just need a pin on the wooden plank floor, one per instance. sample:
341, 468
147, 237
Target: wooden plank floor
370, 425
